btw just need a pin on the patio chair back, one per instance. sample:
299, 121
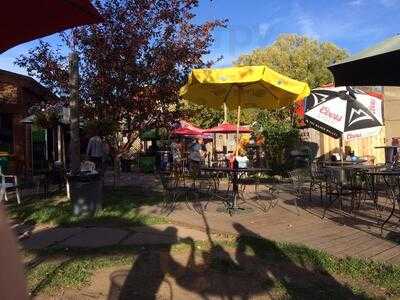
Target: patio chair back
334, 175
166, 181
317, 170
298, 178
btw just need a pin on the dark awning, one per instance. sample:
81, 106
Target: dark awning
377, 65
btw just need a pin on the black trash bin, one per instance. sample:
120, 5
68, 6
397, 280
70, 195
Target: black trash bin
86, 193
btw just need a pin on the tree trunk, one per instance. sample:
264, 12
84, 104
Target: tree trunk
116, 169
74, 107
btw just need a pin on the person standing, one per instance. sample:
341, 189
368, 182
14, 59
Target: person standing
176, 152
95, 151
196, 155
209, 152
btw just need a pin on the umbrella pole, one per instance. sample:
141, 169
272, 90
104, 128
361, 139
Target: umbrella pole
341, 149
214, 150
238, 122
225, 113
237, 131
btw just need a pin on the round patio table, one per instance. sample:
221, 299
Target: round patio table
235, 174
345, 162
392, 182
347, 167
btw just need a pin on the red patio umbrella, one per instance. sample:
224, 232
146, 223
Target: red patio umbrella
184, 131
227, 128
22, 21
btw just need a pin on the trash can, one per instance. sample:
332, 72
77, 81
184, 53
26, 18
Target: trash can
86, 193
4, 162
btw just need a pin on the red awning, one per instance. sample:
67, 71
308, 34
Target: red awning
227, 128
22, 21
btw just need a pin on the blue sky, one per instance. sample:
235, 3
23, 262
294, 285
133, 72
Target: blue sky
351, 24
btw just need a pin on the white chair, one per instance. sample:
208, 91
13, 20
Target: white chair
5, 184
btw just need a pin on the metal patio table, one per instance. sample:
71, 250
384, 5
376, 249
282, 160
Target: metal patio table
235, 175
391, 179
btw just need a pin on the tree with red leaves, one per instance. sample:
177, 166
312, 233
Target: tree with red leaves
131, 65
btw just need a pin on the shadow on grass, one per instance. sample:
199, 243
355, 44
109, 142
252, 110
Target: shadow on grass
249, 266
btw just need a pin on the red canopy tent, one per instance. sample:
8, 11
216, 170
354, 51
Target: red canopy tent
22, 21
227, 128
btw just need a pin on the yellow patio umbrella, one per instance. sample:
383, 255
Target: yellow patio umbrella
242, 87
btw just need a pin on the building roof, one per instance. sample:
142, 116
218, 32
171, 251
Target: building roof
28, 83
389, 45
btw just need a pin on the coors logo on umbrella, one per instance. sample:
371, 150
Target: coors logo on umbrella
343, 112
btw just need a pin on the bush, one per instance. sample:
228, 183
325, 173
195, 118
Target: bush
280, 136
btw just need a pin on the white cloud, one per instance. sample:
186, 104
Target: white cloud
307, 25
356, 2
263, 28
335, 25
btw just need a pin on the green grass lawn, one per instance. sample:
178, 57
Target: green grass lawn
120, 207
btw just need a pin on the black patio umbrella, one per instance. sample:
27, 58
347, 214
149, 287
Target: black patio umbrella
377, 65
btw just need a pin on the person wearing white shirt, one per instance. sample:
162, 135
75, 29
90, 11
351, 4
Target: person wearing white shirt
95, 151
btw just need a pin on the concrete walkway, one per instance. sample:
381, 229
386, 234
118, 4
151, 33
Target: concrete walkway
96, 237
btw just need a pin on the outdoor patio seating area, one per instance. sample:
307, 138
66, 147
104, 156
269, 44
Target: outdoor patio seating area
194, 149
360, 197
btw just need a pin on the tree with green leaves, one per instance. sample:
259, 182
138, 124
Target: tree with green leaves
298, 57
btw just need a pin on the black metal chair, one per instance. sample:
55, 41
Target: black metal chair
337, 187
174, 187
260, 192
317, 179
300, 181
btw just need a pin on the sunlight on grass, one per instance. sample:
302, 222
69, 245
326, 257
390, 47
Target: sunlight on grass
120, 206
53, 276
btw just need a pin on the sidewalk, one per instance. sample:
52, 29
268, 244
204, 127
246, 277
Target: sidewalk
96, 237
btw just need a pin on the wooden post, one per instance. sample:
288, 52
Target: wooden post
225, 112
74, 112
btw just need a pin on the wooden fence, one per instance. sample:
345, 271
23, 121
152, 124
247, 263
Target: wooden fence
361, 147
